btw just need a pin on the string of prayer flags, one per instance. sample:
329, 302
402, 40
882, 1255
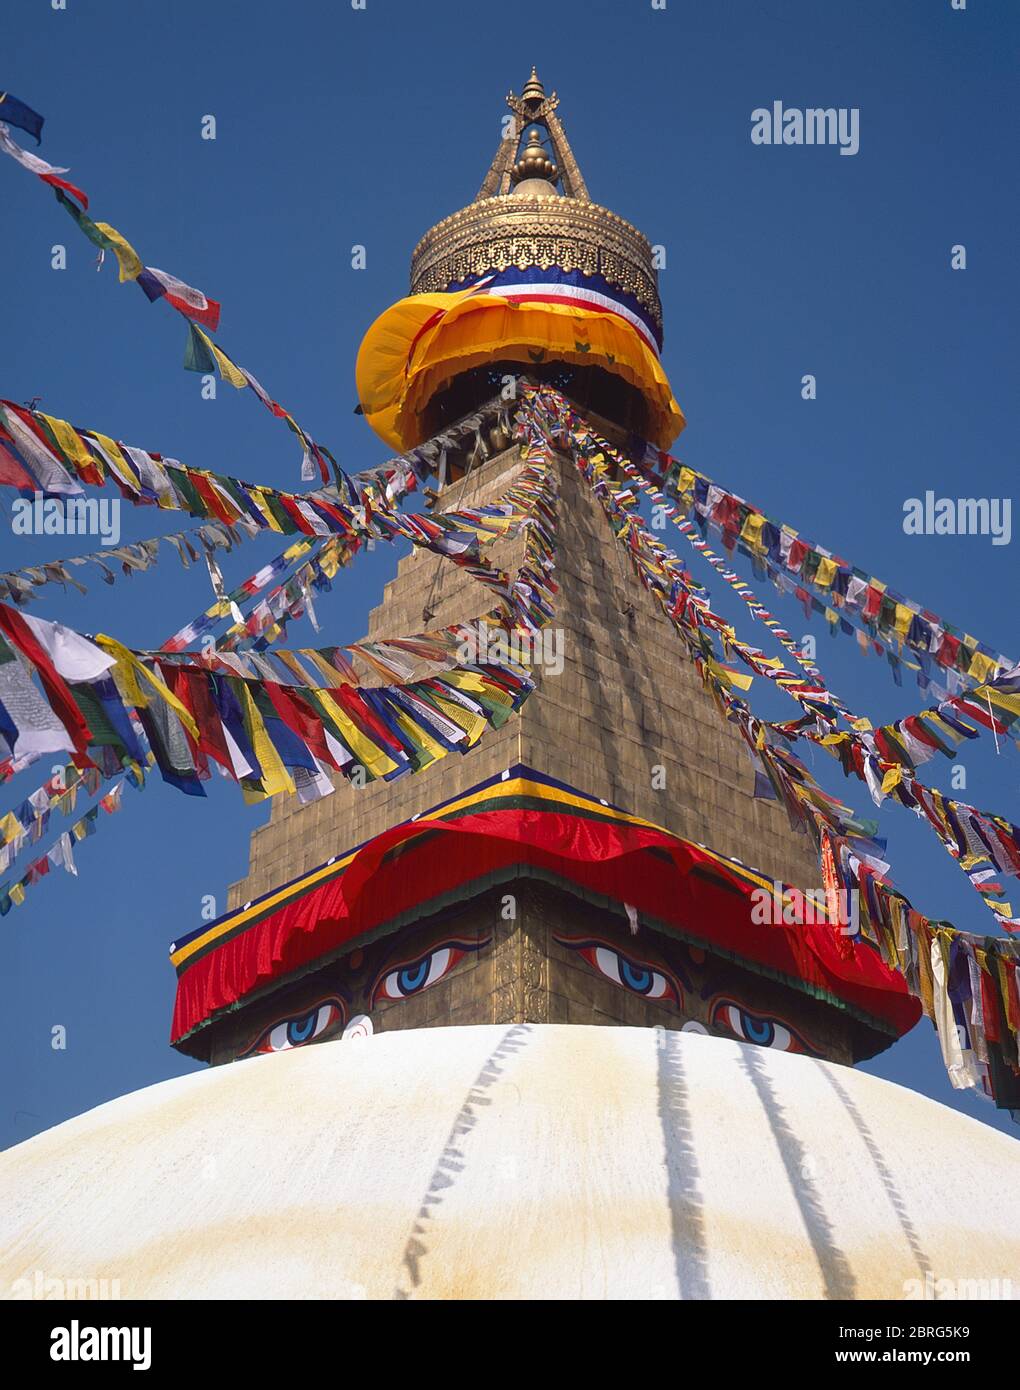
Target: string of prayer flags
291, 599
844, 586
61, 854
332, 664
210, 617
269, 736
153, 706
202, 354
27, 824
859, 750
41, 453
49, 173
789, 779
156, 284
966, 984
529, 503
457, 537
19, 586
57, 458
994, 705
530, 605
54, 457
816, 698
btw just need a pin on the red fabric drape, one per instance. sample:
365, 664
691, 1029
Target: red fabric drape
603, 857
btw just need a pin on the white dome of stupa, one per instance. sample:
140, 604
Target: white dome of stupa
515, 1162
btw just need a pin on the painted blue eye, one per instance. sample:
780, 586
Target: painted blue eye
418, 975
412, 977
303, 1028
299, 1030
635, 977
748, 1027
630, 974
758, 1030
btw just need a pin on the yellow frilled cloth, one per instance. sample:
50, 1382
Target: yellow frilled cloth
422, 342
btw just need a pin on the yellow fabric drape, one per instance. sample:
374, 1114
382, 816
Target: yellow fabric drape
419, 344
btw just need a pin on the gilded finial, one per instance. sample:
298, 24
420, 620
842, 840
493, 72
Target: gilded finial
534, 163
533, 89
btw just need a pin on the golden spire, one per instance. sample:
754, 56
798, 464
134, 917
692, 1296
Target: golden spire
533, 89
533, 108
534, 198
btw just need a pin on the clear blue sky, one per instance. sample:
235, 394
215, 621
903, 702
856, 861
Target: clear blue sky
338, 127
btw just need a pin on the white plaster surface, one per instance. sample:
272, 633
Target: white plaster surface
541, 1161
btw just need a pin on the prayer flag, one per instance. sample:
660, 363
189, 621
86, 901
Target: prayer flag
15, 112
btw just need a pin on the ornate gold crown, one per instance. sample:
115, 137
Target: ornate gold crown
520, 220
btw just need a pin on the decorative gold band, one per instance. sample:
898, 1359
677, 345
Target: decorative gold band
499, 233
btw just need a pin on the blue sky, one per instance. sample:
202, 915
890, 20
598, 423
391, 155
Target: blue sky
338, 127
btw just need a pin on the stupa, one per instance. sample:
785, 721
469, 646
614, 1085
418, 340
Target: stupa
535, 281
508, 1027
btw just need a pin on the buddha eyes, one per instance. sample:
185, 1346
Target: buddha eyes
626, 971
741, 1023
419, 974
302, 1028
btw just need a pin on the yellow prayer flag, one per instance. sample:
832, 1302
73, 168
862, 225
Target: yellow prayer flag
1010, 703
892, 779
129, 668
904, 617
685, 482
329, 558
946, 730
228, 371
71, 443
127, 257
255, 493
981, 666
728, 677
825, 573
275, 777
367, 753
428, 748
473, 725
751, 529
117, 460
